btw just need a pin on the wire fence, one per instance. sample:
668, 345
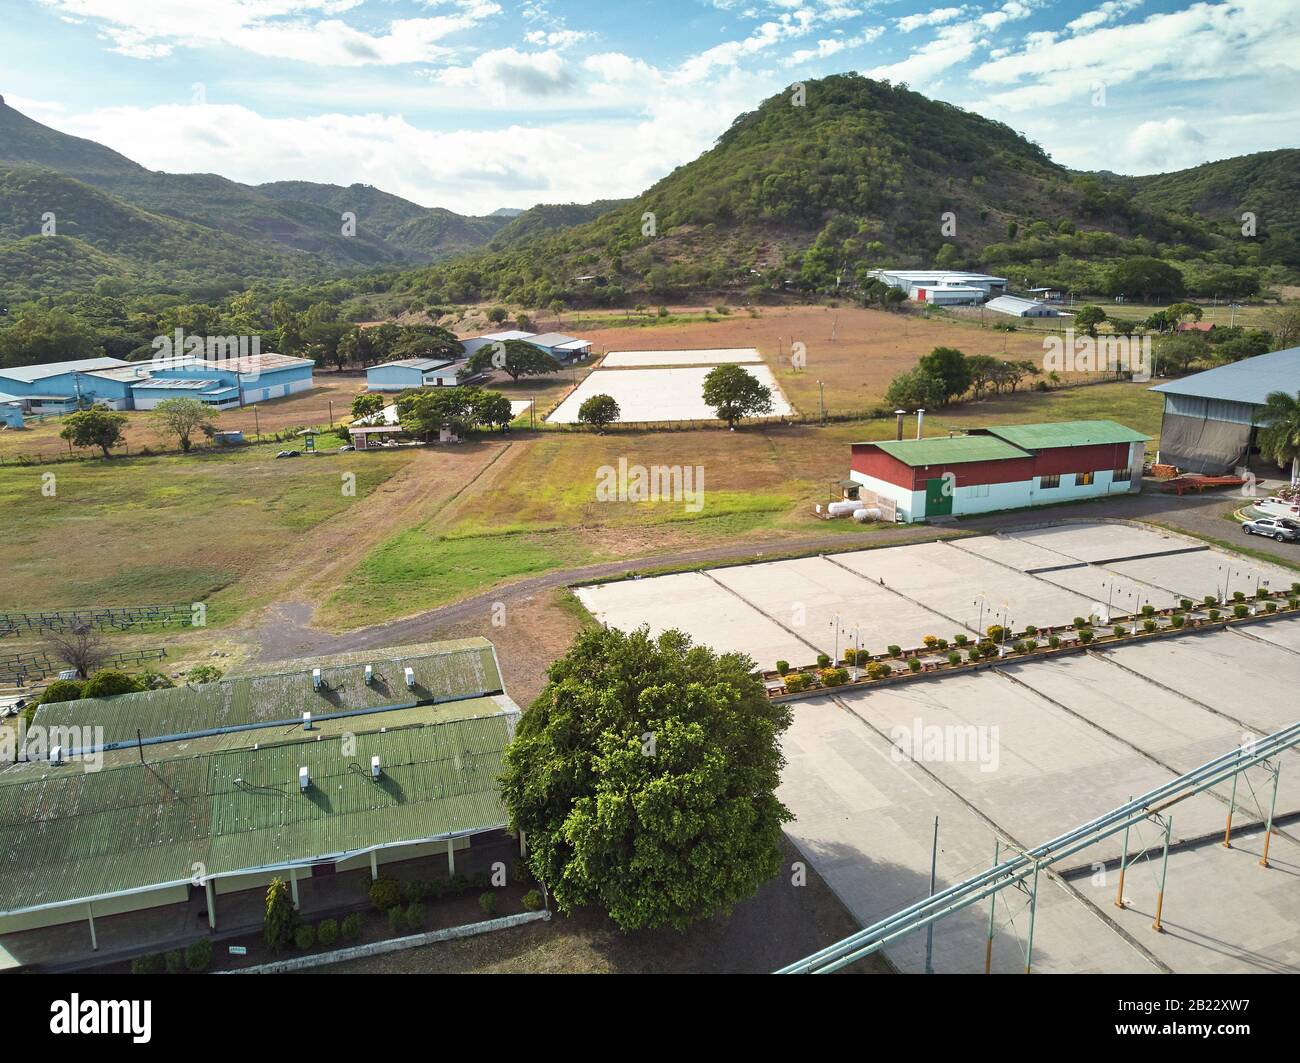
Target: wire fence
107, 619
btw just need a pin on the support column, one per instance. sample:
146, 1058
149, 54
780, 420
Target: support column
1164, 868
1123, 864
451, 856
90, 914
293, 885
374, 864
212, 905
993, 909
1272, 807
523, 844
1033, 913
1232, 803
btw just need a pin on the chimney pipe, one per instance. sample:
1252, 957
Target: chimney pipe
900, 414
920, 420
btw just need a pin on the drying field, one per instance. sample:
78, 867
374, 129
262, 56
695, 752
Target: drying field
794, 610
650, 359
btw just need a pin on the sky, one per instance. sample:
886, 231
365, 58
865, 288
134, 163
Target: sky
475, 105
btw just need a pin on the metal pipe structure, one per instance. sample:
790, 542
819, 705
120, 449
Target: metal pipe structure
1027, 864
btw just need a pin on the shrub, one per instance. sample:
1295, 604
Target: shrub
990, 650
532, 901
203, 673
1215, 614
943, 644
488, 903
63, 690
396, 919
914, 664
1293, 603
109, 682
860, 657
1270, 607
996, 632
796, 682
833, 677
1120, 631
327, 932
823, 660
280, 918
1263, 592
1238, 596
1030, 630
930, 641
783, 666
1240, 610
879, 670
895, 651
1023, 646
523, 873
1080, 623
960, 639
954, 657
1054, 641
1149, 625
1085, 635
974, 653
1148, 610
385, 893
413, 917
174, 961
1295, 588
1209, 599
350, 928
148, 964
1185, 603
304, 937
198, 957
1177, 620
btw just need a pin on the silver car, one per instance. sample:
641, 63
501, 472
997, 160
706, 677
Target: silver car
1283, 529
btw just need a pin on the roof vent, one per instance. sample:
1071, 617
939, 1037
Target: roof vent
315, 679
375, 770
56, 754
370, 674
410, 677
306, 721
304, 779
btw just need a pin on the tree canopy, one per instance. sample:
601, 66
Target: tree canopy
516, 357
182, 418
96, 427
644, 777
599, 411
735, 393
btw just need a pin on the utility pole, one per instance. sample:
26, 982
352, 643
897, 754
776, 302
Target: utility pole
821, 391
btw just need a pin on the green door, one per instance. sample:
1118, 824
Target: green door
938, 502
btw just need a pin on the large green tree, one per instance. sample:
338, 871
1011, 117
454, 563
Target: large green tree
917, 388
96, 427
182, 418
1279, 433
734, 393
599, 411
516, 357
950, 366
1145, 279
644, 777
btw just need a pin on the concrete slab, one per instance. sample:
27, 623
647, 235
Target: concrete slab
693, 603
645, 395
865, 821
1101, 541
953, 582
809, 595
704, 356
1206, 572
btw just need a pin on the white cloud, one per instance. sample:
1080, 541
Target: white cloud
833, 46
506, 72
937, 17
556, 38
1158, 146
1107, 12
953, 45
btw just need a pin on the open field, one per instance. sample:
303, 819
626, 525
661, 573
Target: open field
306, 409
1063, 740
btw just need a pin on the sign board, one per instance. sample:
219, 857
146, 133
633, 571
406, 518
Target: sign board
238, 950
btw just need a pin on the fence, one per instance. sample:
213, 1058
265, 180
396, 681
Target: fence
113, 619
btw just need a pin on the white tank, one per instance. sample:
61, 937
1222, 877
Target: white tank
865, 514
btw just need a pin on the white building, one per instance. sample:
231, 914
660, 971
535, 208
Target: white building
918, 283
1014, 306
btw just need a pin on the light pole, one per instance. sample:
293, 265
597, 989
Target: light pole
821, 400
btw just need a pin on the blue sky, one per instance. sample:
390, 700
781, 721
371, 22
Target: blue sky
478, 104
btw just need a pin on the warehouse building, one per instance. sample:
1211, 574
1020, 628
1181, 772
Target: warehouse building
559, 345
222, 383
1004, 467
922, 284
342, 763
1014, 306
407, 373
1210, 423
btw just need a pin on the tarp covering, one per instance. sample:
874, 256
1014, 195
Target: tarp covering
1196, 444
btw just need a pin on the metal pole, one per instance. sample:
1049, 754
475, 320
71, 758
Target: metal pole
1232, 803
993, 908
1123, 863
929, 930
1272, 807
1164, 868
1033, 912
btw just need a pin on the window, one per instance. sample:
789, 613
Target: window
1121, 476
1045, 482
977, 491
1083, 479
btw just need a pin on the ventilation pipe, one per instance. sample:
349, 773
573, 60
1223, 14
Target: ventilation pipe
920, 420
900, 414
315, 679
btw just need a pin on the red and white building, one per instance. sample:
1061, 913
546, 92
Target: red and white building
1003, 467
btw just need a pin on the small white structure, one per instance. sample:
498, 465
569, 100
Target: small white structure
908, 280
948, 295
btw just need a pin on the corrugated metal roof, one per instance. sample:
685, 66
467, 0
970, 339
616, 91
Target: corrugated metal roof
29, 374
464, 669
1251, 380
949, 450
73, 836
1064, 434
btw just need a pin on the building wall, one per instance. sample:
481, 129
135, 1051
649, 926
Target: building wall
393, 378
76, 913
11, 414
910, 504
1211, 409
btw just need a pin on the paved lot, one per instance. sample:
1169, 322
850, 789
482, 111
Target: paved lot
1033, 748
703, 356
656, 395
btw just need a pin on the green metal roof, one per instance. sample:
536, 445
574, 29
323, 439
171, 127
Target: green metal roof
73, 836
465, 669
949, 450
1065, 434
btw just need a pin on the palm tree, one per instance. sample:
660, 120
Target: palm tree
1279, 430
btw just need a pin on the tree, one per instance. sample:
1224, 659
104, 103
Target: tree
1279, 432
983, 370
38, 336
950, 366
80, 649
490, 408
1183, 349
1087, 318
644, 777
916, 389
110, 682
427, 411
1284, 323
734, 393
182, 418
1144, 278
1178, 311
517, 357
599, 411
367, 403
203, 673
281, 919
96, 427
497, 315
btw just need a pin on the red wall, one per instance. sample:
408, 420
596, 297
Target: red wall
873, 461
1081, 459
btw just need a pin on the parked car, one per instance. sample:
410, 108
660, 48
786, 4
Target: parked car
289, 454
1283, 529
346, 446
